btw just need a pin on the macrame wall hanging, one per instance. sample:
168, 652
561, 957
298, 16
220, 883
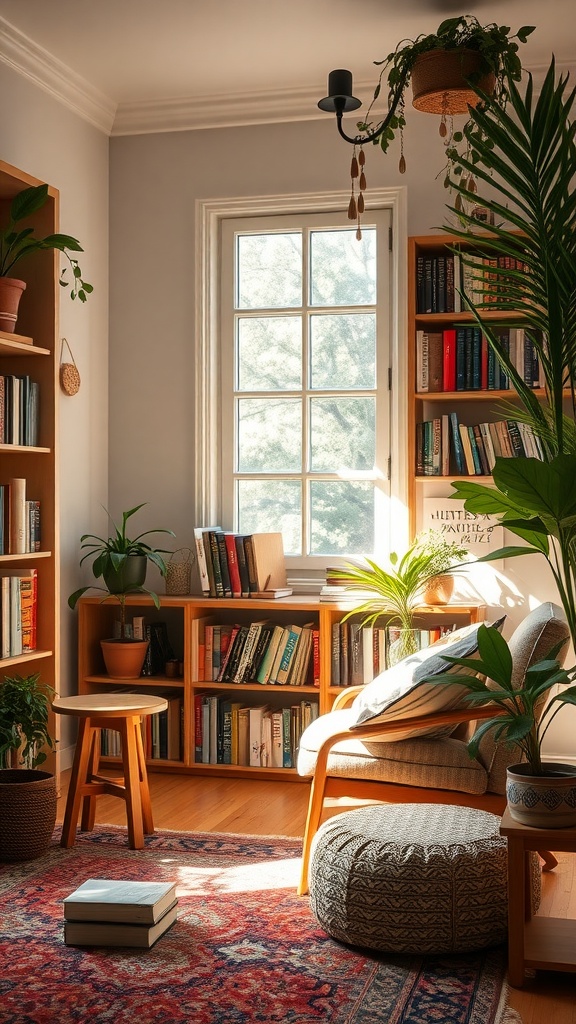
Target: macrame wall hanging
69, 373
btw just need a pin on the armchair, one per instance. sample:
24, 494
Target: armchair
368, 762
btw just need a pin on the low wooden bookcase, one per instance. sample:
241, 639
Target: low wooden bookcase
185, 617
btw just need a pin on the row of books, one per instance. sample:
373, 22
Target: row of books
229, 732
359, 653
115, 912
19, 519
444, 446
460, 359
440, 278
18, 612
162, 734
260, 651
18, 410
240, 565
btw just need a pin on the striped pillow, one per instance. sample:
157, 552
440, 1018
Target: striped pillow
401, 691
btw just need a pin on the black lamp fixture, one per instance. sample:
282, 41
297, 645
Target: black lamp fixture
340, 101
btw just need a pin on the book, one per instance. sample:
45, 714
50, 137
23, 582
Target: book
232, 556
269, 566
223, 560
435, 361
17, 490
256, 717
449, 359
107, 933
201, 558
112, 900
288, 654
242, 565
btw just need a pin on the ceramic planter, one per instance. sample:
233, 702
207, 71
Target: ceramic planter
542, 801
130, 576
124, 658
439, 590
27, 813
11, 289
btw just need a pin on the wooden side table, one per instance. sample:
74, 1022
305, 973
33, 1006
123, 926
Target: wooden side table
123, 712
545, 942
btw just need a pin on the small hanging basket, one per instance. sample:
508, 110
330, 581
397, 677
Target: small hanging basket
178, 571
69, 373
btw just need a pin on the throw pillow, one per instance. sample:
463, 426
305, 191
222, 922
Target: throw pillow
401, 692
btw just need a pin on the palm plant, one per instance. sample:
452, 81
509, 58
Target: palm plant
524, 159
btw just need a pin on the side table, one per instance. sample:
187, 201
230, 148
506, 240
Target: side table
123, 712
545, 942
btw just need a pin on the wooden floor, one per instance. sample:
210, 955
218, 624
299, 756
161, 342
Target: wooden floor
193, 803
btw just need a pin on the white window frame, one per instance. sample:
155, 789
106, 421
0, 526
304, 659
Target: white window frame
207, 441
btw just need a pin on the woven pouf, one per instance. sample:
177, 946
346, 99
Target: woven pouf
411, 878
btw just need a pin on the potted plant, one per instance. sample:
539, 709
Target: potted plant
121, 562
27, 794
524, 158
401, 587
520, 722
441, 66
16, 243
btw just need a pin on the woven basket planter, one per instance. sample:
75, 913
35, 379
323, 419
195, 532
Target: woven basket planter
27, 813
439, 81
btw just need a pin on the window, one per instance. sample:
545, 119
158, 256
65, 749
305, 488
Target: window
298, 351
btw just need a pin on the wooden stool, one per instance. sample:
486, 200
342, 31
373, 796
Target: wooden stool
123, 712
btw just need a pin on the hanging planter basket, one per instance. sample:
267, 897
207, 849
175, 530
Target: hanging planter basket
439, 81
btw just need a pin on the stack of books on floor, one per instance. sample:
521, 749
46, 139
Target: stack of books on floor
114, 912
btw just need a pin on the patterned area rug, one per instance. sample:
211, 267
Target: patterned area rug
244, 949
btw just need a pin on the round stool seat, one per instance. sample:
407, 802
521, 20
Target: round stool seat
411, 878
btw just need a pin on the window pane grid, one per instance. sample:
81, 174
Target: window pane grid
330, 418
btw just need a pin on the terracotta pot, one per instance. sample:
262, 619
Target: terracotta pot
542, 801
439, 83
27, 813
11, 290
439, 590
124, 658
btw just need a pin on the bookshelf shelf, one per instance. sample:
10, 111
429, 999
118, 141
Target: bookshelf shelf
33, 353
186, 617
455, 434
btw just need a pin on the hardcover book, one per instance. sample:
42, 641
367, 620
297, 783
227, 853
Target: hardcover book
106, 933
105, 899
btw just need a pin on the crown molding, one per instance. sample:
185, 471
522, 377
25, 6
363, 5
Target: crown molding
177, 114
23, 55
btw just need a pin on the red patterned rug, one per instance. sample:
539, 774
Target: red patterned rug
244, 949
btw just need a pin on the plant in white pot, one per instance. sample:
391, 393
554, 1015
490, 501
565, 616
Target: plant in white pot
18, 243
121, 563
540, 793
27, 793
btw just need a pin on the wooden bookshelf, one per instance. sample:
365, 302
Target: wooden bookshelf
183, 616
33, 351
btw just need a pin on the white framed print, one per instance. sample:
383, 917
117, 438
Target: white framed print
480, 532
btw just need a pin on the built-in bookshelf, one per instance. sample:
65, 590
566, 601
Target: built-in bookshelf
29, 549
221, 708
456, 423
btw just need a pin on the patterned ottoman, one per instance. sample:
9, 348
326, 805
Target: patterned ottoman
412, 878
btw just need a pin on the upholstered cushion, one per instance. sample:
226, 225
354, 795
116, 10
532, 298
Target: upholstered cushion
439, 763
401, 692
530, 642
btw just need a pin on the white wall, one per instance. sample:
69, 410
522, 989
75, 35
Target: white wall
45, 139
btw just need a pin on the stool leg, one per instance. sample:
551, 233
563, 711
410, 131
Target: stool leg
144, 788
77, 780
89, 802
132, 793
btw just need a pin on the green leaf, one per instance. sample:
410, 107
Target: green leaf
29, 201
495, 655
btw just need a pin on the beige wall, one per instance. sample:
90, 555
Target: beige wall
43, 138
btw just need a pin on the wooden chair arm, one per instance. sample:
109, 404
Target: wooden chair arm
345, 699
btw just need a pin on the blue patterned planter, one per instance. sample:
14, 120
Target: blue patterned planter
542, 801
